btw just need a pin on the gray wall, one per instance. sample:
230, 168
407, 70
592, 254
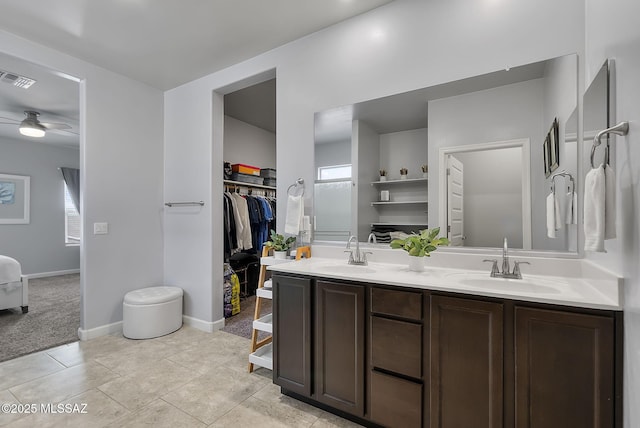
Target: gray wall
404, 149
39, 246
248, 144
334, 153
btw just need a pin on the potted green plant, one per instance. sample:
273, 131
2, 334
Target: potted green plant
403, 173
425, 171
280, 244
419, 245
383, 175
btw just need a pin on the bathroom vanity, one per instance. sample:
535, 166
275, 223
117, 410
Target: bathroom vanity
448, 347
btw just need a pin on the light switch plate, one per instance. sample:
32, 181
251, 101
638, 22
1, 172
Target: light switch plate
100, 228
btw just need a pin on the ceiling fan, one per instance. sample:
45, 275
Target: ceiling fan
32, 127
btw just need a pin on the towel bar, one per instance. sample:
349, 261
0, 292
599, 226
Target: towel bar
620, 129
171, 204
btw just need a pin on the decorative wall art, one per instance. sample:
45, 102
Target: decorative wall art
551, 149
14, 199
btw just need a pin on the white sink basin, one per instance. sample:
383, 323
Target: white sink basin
346, 269
524, 285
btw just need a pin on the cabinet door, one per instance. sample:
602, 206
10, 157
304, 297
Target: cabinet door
564, 369
466, 385
339, 362
292, 334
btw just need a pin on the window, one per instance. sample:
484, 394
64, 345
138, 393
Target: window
334, 172
71, 220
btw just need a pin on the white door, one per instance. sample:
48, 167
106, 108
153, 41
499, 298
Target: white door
455, 202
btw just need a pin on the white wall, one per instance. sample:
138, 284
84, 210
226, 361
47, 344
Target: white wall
334, 153
405, 45
39, 246
619, 38
248, 144
121, 164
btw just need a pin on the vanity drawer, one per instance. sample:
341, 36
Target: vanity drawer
404, 304
395, 402
396, 346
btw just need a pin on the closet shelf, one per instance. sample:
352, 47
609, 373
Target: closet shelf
243, 184
400, 224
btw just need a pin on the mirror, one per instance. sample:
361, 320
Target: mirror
597, 115
495, 124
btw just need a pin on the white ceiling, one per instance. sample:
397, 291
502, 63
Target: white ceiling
163, 43
166, 43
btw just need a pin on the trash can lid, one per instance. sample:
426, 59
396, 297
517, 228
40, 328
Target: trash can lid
152, 295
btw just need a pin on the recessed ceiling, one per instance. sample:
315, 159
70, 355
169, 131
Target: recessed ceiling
167, 43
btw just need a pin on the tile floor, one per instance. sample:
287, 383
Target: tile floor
186, 379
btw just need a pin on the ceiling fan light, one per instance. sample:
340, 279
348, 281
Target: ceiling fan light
32, 130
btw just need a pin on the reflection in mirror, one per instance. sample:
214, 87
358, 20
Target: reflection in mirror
410, 130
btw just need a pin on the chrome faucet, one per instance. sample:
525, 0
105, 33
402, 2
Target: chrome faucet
506, 273
372, 238
359, 258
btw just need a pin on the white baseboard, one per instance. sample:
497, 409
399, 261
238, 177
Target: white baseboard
103, 330
116, 327
207, 326
53, 273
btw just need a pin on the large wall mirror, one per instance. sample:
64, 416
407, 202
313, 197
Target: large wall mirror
481, 156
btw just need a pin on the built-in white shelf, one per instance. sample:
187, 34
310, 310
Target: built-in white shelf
399, 203
399, 224
264, 323
265, 293
263, 356
408, 180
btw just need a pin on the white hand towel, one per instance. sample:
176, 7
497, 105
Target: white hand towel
295, 213
559, 210
551, 215
609, 203
571, 216
594, 210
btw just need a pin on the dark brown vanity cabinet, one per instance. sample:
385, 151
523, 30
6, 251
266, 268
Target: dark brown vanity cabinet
339, 346
467, 346
292, 334
401, 357
396, 359
564, 369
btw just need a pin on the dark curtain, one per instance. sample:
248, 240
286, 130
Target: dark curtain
72, 179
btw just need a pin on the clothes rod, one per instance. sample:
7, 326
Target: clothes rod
171, 204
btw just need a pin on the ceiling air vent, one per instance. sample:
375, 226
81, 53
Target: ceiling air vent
16, 80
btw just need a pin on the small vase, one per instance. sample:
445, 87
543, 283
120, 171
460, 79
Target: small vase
425, 175
403, 177
416, 264
279, 254
383, 178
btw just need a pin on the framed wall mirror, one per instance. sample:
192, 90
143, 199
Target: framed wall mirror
418, 128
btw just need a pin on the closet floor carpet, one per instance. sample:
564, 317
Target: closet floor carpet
53, 318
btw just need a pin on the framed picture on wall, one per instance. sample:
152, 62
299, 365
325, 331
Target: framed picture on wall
14, 199
554, 146
545, 159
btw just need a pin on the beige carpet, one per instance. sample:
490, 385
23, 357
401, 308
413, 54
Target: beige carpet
53, 318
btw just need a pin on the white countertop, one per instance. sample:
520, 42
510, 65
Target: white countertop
585, 290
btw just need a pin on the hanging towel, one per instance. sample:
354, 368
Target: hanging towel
559, 209
571, 216
551, 215
294, 215
594, 210
609, 203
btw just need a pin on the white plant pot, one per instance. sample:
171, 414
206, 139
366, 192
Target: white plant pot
403, 177
425, 175
416, 264
383, 178
279, 254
